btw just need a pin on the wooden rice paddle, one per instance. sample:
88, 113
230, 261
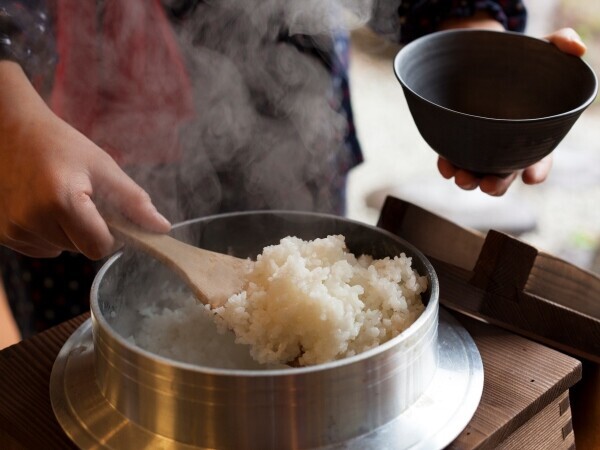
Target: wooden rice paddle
212, 277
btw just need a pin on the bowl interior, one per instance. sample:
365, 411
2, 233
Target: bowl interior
499, 75
132, 281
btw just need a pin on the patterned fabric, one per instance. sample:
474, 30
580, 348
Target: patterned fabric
418, 18
121, 79
43, 293
26, 36
405, 20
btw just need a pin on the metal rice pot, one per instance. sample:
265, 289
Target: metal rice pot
317, 406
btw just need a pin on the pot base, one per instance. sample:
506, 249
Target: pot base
433, 421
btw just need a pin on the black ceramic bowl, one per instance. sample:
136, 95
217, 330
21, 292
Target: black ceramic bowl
490, 101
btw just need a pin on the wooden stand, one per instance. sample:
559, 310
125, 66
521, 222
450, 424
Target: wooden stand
525, 402
504, 281
535, 301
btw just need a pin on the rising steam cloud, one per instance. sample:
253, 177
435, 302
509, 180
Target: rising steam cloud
266, 135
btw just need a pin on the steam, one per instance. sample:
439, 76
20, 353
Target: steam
313, 17
266, 135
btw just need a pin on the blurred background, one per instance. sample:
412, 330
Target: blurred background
560, 216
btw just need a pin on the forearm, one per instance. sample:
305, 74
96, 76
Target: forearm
406, 20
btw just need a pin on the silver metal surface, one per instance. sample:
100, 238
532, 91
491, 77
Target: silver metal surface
296, 408
432, 422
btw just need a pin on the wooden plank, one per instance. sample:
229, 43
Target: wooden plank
540, 295
545, 322
526, 378
433, 235
503, 265
509, 399
566, 284
585, 408
25, 410
551, 429
505, 281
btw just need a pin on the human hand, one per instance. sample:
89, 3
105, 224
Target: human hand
52, 178
567, 40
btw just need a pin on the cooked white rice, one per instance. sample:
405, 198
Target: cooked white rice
308, 299
316, 301
183, 330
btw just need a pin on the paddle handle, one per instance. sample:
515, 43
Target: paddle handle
213, 277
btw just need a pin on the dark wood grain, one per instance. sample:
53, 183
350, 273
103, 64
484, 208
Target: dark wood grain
433, 235
566, 284
510, 397
536, 433
26, 415
521, 379
505, 281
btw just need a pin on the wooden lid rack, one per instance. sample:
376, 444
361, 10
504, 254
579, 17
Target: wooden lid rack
504, 281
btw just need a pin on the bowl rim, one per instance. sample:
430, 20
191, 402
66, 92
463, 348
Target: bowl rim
436, 35
431, 309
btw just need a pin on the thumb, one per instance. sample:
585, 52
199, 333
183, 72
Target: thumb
117, 193
568, 41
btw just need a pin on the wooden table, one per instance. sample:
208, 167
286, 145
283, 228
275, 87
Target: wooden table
525, 402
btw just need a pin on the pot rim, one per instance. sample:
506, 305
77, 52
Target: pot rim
416, 327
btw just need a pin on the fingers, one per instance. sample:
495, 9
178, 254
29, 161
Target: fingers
51, 175
34, 251
497, 186
463, 179
108, 190
116, 192
64, 216
466, 180
446, 168
85, 228
538, 172
29, 244
568, 41
51, 235
35, 238
489, 184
